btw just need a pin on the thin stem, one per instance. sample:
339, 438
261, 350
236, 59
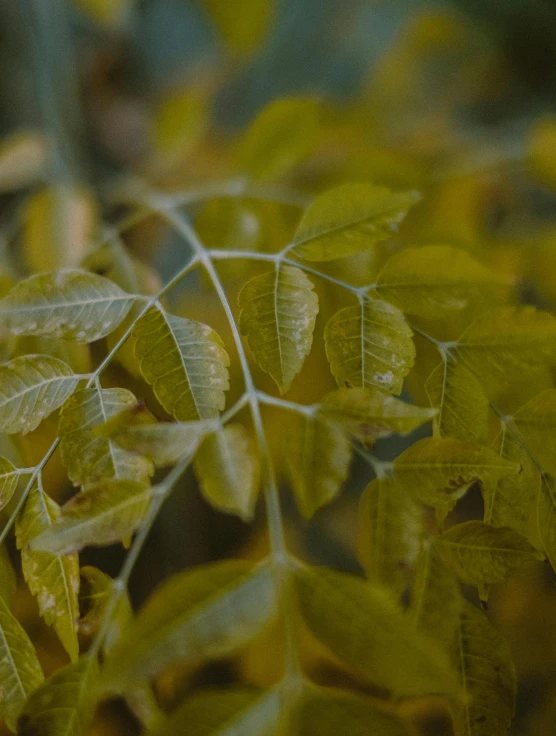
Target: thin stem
268, 400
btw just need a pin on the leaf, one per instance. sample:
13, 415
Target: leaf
536, 423
506, 342
256, 19
196, 615
52, 579
438, 472
22, 160
546, 517
479, 553
71, 304
460, 400
185, 362
8, 577
95, 593
370, 414
31, 388
90, 457
20, 671
100, 515
349, 219
64, 704
282, 135
369, 344
233, 712
435, 281
9, 476
329, 712
388, 534
318, 456
362, 626
488, 676
227, 466
278, 313
436, 599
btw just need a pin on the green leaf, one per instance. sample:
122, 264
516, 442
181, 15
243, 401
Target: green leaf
185, 362
349, 219
536, 422
479, 553
278, 313
370, 414
363, 627
100, 515
460, 400
318, 456
329, 712
32, 387
20, 671
438, 472
198, 614
506, 342
71, 304
9, 476
369, 344
234, 712
436, 599
89, 457
435, 281
389, 532
282, 135
64, 704
227, 466
52, 579
488, 677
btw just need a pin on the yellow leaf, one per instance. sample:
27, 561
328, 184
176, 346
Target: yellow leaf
278, 312
546, 517
369, 344
348, 220
180, 120
244, 25
536, 423
22, 160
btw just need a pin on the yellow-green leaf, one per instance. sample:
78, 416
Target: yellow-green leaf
349, 219
282, 135
318, 456
100, 515
185, 362
20, 671
22, 160
278, 312
9, 476
438, 472
460, 400
389, 532
52, 579
362, 626
370, 344
479, 553
488, 677
71, 304
90, 457
245, 36
95, 593
369, 413
197, 614
64, 704
435, 281
31, 388
546, 517
227, 466
536, 422
235, 712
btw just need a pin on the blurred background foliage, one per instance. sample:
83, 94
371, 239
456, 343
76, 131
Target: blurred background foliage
100, 98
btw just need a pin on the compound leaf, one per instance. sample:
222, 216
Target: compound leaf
71, 304
278, 312
185, 362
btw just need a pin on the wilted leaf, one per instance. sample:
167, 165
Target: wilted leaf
370, 344
349, 219
185, 362
197, 614
20, 671
90, 457
278, 312
31, 388
227, 466
52, 579
362, 626
8, 481
318, 456
100, 515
